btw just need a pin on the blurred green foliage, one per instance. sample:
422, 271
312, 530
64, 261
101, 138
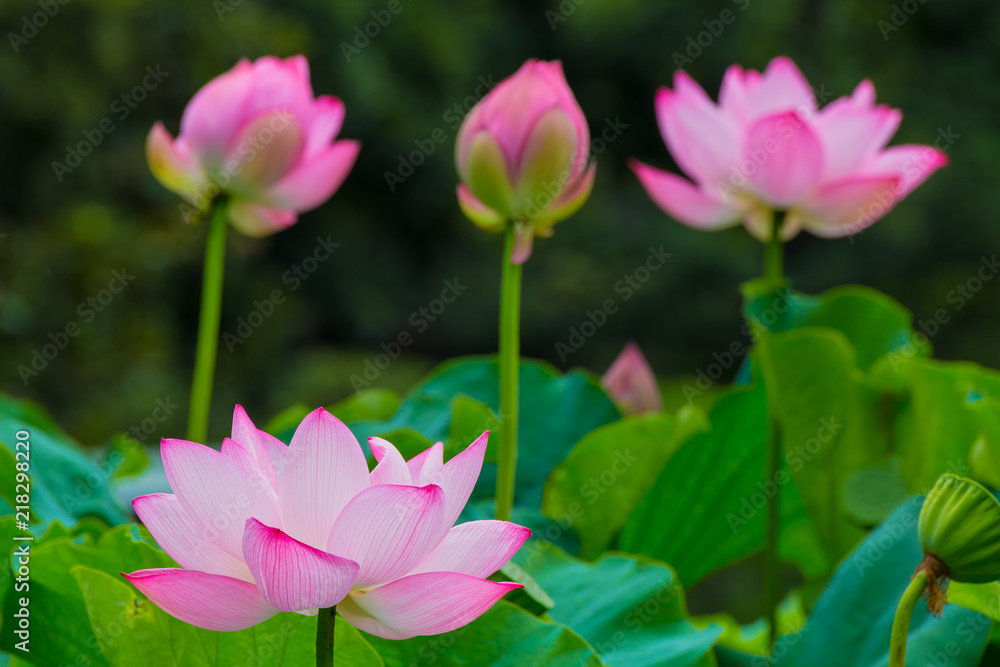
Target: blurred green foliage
65, 234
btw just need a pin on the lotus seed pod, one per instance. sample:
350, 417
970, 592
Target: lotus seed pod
960, 525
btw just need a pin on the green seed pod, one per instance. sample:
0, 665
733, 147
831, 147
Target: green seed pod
960, 525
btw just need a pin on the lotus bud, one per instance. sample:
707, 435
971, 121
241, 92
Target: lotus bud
522, 155
631, 383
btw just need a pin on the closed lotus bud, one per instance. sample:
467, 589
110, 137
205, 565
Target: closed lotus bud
522, 154
631, 383
258, 136
959, 531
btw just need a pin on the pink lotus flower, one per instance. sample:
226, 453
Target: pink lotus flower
765, 147
260, 528
522, 155
631, 383
257, 135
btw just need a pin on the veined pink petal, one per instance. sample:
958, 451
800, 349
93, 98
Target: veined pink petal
849, 206
782, 88
686, 203
477, 548
328, 118
704, 140
207, 601
851, 135
424, 604
217, 492
631, 382
783, 158
180, 535
426, 463
255, 442
325, 468
293, 576
258, 220
216, 112
913, 164
457, 478
173, 166
388, 530
234, 451
314, 181
391, 468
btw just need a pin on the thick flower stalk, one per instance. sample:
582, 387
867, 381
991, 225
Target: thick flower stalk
766, 147
631, 383
260, 527
257, 136
522, 155
258, 146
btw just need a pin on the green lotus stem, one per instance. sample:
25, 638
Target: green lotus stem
901, 623
773, 253
208, 325
510, 313
773, 262
326, 631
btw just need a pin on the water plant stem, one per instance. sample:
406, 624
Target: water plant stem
510, 343
901, 623
208, 325
773, 272
325, 634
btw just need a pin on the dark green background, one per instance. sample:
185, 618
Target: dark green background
397, 248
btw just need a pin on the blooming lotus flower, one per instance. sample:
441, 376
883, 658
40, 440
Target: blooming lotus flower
631, 383
766, 147
259, 528
257, 135
522, 155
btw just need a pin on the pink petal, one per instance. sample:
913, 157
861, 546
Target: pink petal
851, 135
328, 117
173, 165
424, 604
208, 601
314, 181
782, 88
704, 140
913, 164
179, 534
216, 112
391, 468
280, 84
255, 442
324, 469
293, 576
258, 220
783, 159
457, 478
864, 94
733, 96
217, 492
426, 463
387, 530
631, 382
263, 150
684, 202
849, 206
477, 548
479, 213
